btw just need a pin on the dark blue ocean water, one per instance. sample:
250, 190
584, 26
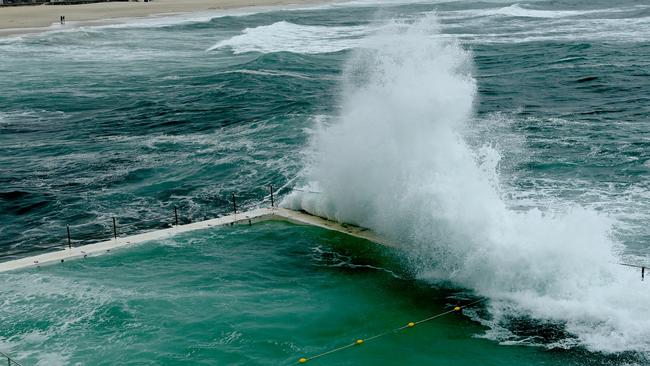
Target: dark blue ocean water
131, 120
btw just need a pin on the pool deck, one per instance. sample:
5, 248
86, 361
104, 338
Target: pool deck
243, 218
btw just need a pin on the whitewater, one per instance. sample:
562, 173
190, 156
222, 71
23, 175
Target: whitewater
395, 160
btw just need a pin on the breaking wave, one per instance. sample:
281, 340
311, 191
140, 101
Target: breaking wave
290, 37
395, 160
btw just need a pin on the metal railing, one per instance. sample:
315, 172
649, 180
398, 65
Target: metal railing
10, 361
93, 232
643, 268
174, 220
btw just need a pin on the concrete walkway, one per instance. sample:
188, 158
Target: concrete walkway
247, 218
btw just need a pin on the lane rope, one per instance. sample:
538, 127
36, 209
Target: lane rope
361, 341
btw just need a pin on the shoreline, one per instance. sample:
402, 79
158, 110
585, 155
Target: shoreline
22, 20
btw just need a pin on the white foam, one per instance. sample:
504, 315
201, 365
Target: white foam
285, 36
516, 10
290, 37
396, 161
502, 25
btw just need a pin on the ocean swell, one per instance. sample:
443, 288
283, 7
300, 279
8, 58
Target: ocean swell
289, 37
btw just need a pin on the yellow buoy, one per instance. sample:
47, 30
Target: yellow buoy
410, 324
359, 341
457, 308
302, 360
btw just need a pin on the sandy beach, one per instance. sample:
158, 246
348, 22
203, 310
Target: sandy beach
30, 19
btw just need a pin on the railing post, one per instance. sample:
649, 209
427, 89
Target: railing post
176, 215
69, 240
234, 203
272, 201
114, 229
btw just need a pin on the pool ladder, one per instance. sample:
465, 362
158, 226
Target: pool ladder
10, 361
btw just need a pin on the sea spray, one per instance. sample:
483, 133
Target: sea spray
395, 161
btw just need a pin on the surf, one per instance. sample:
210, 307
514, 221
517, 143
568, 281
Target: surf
395, 160
290, 37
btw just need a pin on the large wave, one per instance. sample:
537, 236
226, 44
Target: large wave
395, 161
290, 37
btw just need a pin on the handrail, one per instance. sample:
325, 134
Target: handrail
172, 220
636, 266
75, 238
10, 361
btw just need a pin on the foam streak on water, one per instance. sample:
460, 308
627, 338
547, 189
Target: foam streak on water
395, 161
286, 36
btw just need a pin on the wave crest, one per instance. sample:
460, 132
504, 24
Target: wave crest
284, 36
396, 161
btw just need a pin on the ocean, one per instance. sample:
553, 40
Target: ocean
504, 147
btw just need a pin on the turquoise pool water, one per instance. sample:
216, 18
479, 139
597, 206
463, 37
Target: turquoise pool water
266, 295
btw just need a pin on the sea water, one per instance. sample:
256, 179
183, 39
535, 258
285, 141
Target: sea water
505, 147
